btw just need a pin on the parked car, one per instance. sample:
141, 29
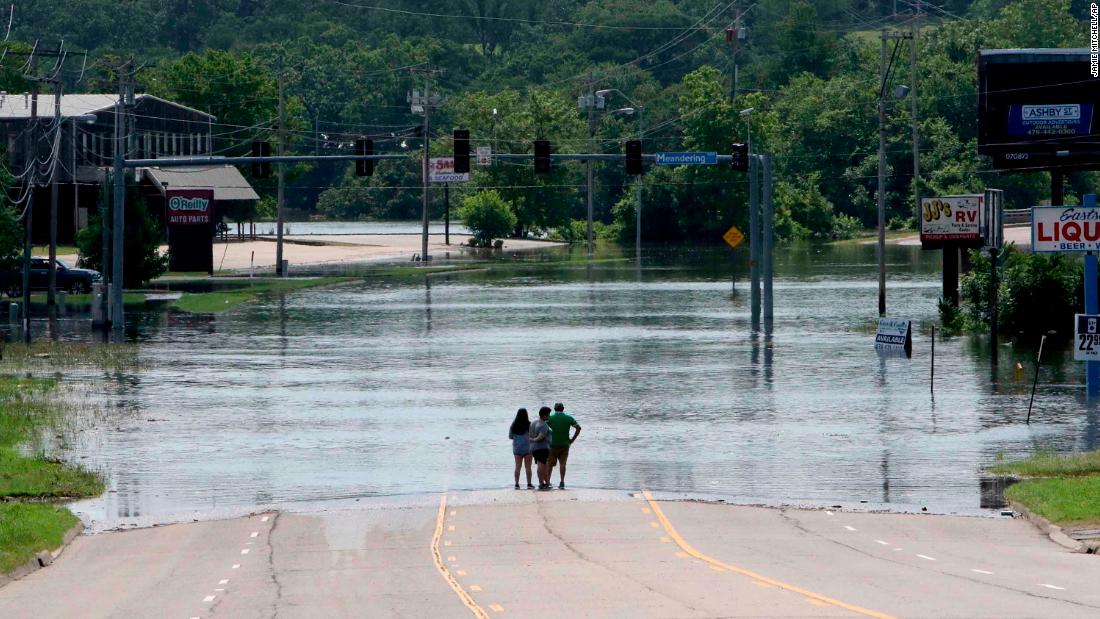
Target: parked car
69, 278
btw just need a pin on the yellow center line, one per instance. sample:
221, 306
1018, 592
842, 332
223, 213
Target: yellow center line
690, 550
442, 567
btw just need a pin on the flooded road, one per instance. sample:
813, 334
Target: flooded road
394, 388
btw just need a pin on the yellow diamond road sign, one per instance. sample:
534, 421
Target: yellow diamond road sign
733, 237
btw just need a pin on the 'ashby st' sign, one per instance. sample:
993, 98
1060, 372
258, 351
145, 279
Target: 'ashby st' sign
1065, 229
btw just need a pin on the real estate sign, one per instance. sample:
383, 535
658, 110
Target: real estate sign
1065, 229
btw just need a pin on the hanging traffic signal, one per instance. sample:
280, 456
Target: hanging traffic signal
542, 156
740, 160
364, 148
634, 157
461, 143
261, 169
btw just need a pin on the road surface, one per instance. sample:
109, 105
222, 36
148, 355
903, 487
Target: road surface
565, 554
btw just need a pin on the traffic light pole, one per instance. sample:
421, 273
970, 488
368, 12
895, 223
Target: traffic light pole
280, 199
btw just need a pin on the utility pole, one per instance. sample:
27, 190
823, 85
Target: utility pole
638, 194
914, 37
425, 198
30, 181
446, 213
880, 195
51, 292
591, 105
118, 220
280, 199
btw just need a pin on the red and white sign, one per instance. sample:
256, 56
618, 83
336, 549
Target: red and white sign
1065, 229
951, 218
442, 170
189, 206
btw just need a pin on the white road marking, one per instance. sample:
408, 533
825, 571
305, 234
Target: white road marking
264, 519
236, 566
224, 581
927, 558
981, 571
255, 534
220, 590
1055, 587
898, 549
849, 528
245, 551
208, 598
828, 513
878, 541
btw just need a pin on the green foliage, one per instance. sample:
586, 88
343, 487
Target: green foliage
11, 238
1037, 293
143, 259
26, 529
1047, 463
488, 215
1062, 500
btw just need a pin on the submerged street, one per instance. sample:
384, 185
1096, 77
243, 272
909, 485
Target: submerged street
407, 387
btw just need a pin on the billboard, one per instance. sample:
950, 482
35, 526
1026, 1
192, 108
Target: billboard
951, 219
189, 214
1036, 108
1065, 229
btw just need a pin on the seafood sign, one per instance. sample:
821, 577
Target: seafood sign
1065, 229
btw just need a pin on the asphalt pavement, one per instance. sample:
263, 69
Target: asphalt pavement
565, 553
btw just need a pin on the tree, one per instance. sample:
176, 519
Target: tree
488, 216
142, 259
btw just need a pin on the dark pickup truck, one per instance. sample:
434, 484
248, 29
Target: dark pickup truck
69, 278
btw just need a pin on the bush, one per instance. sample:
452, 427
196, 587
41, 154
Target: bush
488, 216
846, 226
142, 260
900, 223
1037, 293
11, 239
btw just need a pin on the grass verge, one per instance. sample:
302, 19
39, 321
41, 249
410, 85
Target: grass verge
228, 295
1064, 489
28, 528
28, 481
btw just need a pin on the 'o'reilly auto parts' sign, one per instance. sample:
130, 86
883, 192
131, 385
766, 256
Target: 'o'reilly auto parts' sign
1065, 229
189, 206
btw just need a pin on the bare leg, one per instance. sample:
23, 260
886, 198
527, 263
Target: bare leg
519, 461
527, 466
561, 471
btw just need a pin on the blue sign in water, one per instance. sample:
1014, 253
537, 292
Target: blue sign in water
685, 158
1050, 120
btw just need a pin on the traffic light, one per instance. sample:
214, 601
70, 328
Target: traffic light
261, 169
740, 157
364, 147
461, 143
634, 157
542, 156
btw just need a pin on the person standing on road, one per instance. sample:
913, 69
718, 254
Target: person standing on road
521, 446
540, 436
559, 423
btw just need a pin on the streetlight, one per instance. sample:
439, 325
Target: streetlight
636, 110
746, 114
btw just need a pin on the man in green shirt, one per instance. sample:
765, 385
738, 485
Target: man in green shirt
559, 423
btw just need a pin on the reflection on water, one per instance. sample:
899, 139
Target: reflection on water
379, 388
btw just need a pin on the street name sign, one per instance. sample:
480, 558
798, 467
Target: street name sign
484, 155
894, 335
442, 170
951, 219
1065, 229
685, 158
733, 237
1086, 334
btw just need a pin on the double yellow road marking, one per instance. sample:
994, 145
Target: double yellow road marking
814, 598
445, 571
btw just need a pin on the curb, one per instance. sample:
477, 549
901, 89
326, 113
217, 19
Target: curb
1053, 531
43, 558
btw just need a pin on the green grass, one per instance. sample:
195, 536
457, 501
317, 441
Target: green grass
62, 250
1065, 501
1049, 464
28, 528
234, 293
27, 410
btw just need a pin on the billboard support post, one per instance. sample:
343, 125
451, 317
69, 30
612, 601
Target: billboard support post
1092, 306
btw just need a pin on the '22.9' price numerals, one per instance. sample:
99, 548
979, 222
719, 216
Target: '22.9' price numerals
1089, 342
933, 209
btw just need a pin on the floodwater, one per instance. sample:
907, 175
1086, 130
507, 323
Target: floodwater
409, 387
299, 228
